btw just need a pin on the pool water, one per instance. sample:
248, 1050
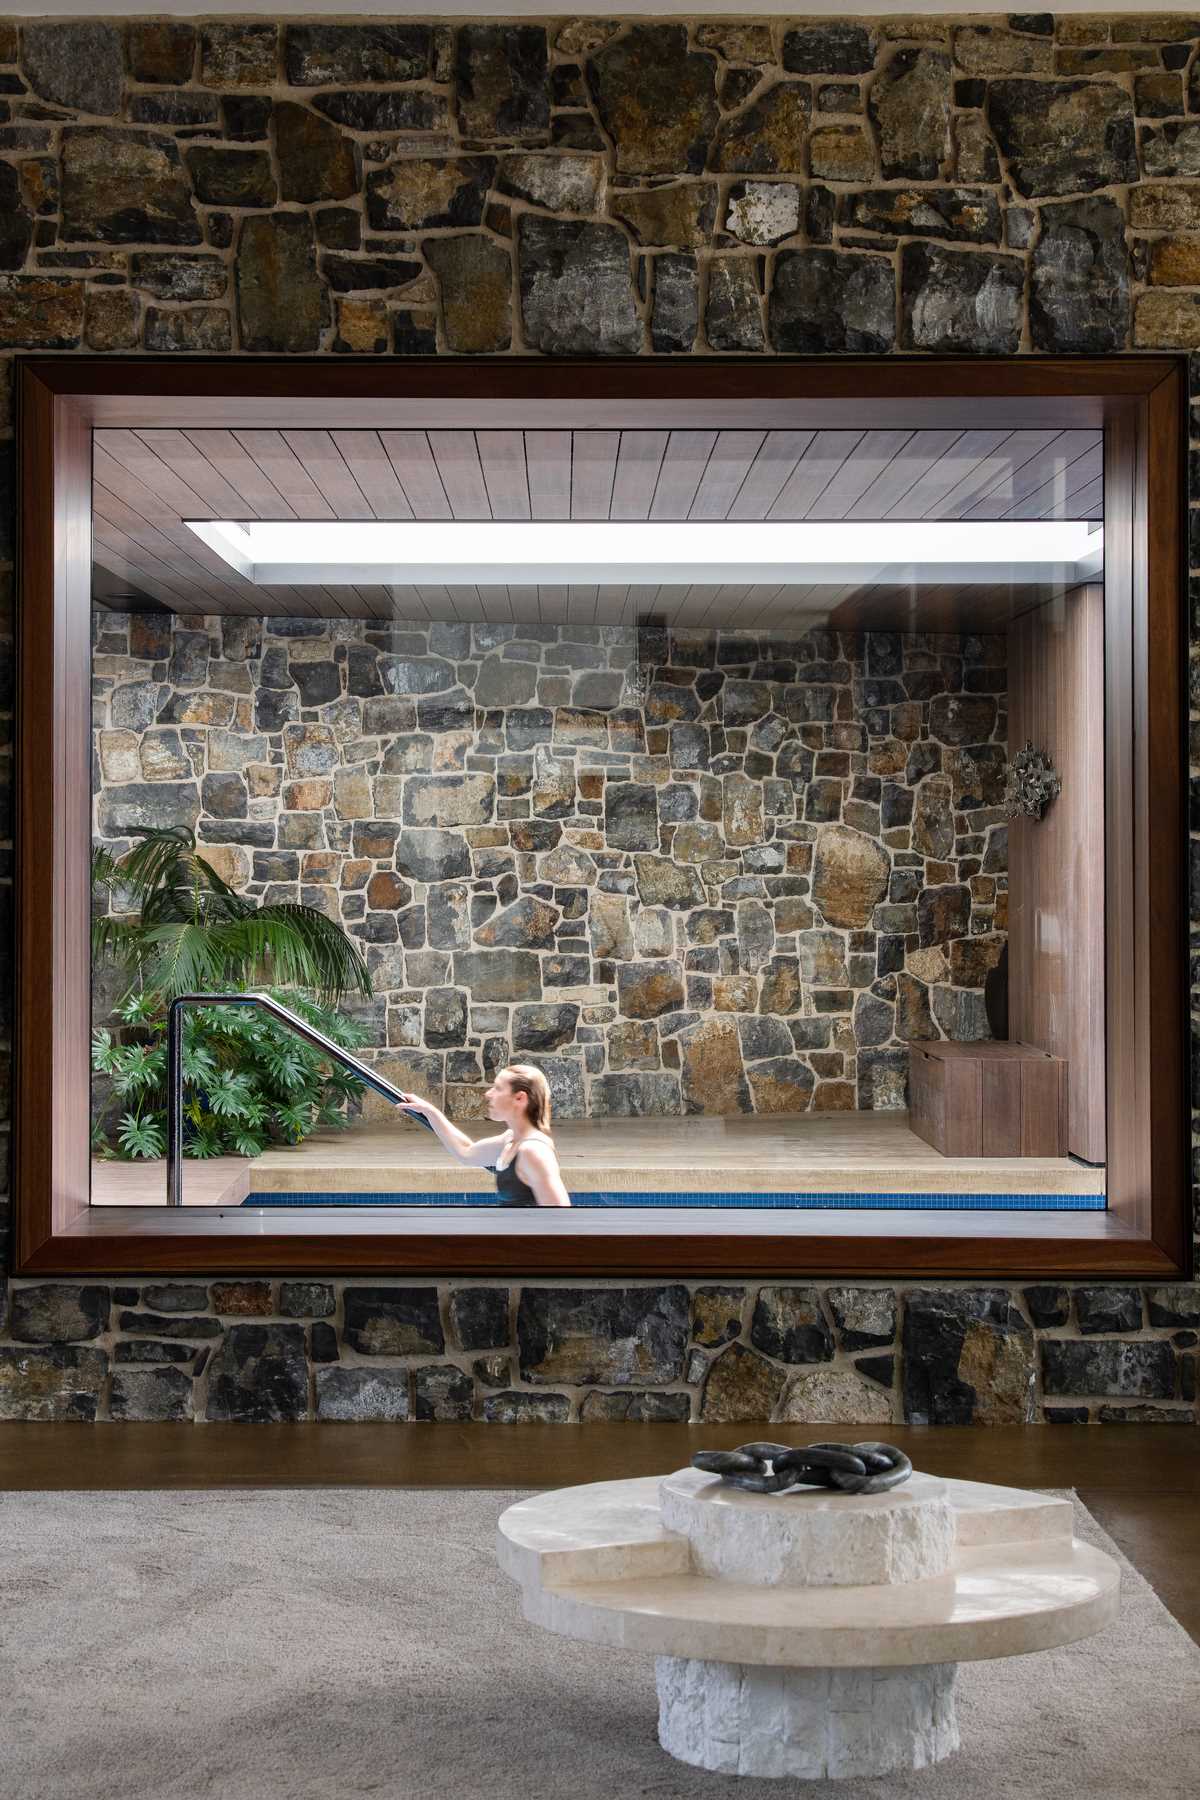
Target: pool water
933, 1202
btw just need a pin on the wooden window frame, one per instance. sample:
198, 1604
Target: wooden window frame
1140, 402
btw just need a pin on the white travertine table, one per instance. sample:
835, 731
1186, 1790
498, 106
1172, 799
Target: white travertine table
812, 1633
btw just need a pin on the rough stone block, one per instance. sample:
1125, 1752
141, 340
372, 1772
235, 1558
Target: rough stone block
306, 1300
75, 65
968, 1358
51, 1385
282, 302
864, 1316
1118, 1368
961, 301
362, 1396
789, 1324
576, 288
392, 1321
443, 1392
1063, 137
259, 1375
121, 187
1174, 1306
242, 1297
716, 1315
516, 1408
656, 99
741, 1386
478, 1317
830, 300
58, 1312
151, 1394
613, 1337
1048, 1306
1108, 1309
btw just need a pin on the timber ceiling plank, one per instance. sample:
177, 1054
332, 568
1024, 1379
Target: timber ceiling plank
502, 459
369, 464
283, 469
593, 472
1056, 495
731, 461
457, 456
772, 468
874, 452
813, 473
548, 473
260, 496
412, 460
325, 467
962, 457
639, 458
1012, 454
893, 482
137, 459
174, 448
522, 599
142, 541
681, 472
1032, 474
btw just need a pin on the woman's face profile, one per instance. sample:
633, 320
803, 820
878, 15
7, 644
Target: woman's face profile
500, 1099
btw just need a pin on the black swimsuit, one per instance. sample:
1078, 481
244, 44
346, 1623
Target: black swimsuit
511, 1189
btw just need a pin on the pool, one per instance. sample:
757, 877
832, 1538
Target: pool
932, 1202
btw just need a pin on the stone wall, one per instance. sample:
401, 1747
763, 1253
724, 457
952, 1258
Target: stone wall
867, 1354
1020, 183
686, 872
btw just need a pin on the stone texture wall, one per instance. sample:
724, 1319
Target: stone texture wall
1020, 183
600, 187
685, 872
866, 1354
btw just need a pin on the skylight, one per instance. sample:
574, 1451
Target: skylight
483, 552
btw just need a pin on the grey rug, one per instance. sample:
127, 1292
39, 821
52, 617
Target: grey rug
309, 1644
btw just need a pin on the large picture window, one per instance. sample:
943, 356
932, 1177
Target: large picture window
785, 765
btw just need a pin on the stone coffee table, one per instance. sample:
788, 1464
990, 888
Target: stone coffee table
813, 1633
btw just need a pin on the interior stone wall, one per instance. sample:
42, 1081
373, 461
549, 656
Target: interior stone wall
1021, 183
682, 872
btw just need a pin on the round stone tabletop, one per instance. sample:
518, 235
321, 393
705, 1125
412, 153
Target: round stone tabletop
600, 1563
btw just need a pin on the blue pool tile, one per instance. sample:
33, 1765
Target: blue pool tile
804, 1202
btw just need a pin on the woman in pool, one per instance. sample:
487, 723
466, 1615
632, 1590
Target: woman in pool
524, 1157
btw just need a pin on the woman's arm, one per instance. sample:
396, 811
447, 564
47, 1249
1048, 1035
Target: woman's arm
480, 1153
538, 1165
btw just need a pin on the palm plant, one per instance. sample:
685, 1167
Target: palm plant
247, 1081
195, 934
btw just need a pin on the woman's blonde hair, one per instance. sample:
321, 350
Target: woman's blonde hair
523, 1078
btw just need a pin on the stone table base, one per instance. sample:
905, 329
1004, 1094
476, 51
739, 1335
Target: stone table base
743, 1719
809, 1636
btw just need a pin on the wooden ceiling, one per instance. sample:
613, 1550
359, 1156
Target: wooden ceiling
147, 482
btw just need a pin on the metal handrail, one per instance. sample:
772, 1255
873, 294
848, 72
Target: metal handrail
284, 1016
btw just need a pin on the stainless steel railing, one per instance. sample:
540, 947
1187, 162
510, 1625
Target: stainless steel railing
294, 1022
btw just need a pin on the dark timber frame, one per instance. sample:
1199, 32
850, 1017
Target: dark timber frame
1140, 402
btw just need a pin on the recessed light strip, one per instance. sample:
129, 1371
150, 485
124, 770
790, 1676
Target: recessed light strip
676, 553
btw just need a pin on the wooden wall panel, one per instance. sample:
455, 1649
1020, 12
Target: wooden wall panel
1056, 945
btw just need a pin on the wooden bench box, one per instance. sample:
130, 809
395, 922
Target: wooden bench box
988, 1099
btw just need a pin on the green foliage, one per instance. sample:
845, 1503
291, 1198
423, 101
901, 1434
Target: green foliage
248, 1082
196, 935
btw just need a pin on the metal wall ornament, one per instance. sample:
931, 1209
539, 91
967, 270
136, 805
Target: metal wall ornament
759, 1468
1033, 782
